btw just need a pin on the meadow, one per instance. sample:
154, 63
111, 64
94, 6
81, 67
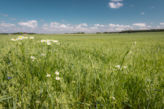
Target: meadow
82, 71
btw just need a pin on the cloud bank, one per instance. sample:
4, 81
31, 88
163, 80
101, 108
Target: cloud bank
30, 24
57, 27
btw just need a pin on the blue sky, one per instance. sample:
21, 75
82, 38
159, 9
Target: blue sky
60, 16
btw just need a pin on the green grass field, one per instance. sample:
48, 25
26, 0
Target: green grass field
103, 71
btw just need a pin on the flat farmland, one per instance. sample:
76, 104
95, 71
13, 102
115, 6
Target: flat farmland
82, 71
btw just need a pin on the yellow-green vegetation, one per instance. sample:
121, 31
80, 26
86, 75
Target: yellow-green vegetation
103, 71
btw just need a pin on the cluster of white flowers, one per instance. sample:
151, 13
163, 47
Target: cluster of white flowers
125, 67
48, 75
119, 67
33, 58
22, 38
49, 42
57, 75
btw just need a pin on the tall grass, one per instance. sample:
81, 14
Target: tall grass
117, 71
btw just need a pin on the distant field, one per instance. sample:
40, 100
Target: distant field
87, 71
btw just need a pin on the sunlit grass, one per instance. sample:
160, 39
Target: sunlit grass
115, 71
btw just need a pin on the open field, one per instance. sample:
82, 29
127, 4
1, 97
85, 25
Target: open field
103, 71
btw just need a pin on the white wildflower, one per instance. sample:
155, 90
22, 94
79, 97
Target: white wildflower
57, 73
118, 66
33, 58
48, 75
20, 38
125, 67
13, 39
25, 37
57, 78
48, 43
43, 41
113, 98
31, 37
55, 41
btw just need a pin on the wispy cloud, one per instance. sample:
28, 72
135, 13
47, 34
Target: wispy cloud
6, 25
30, 24
116, 4
162, 23
140, 24
118, 27
116, 0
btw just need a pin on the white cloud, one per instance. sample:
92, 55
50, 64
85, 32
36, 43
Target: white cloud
54, 27
59, 27
118, 27
99, 25
6, 25
81, 27
30, 24
115, 5
139, 24
116, 0
142, 26
162, 23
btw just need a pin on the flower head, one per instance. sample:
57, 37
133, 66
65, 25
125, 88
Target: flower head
118, 66
57, 78
48, 75
57, 73
125, 67
33, 58
20, 38
13, 39
9, 78
25, 37
55, 41
43, 41
31, 37
48, 43
113, 98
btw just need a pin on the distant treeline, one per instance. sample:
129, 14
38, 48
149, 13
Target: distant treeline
133, 31
126, 31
